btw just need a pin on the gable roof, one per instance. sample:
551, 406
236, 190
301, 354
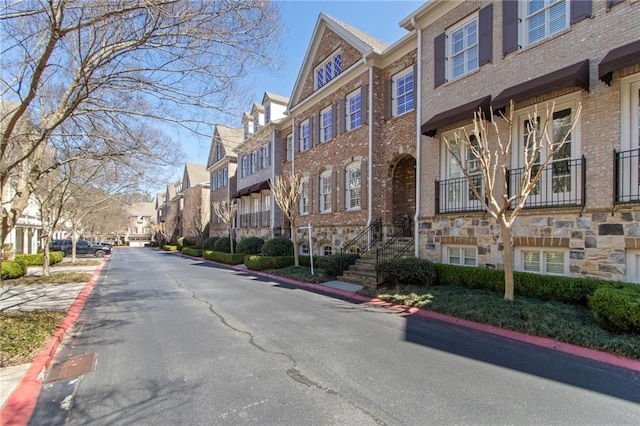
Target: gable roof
274, 98
194, 174
364, 43
229, 137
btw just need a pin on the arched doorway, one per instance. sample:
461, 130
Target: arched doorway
403, 184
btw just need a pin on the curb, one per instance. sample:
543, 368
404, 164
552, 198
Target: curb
546, 342
21, 403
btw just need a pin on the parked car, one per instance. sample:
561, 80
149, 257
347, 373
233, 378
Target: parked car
83, 248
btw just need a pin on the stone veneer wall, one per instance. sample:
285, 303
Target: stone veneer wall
596, 242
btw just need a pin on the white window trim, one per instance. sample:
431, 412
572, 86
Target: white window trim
331, 58
329, 127
348, 111
564, 102
519, 259
357, 166
449, 50
304, 195
306, 123
446, 254
323, 202
394, 84
523, 36
628, 120
289, 147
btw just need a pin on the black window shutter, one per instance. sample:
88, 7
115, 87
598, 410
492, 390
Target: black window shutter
509, 27
580, 9
364, 98
388, 99
342, 112
296, 139
439, 60
334, 118
485, 41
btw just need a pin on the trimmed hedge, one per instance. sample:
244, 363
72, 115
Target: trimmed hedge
181, 243
278, 247
208, 243
223, 245
409, 271
192, 251
223, 257
617, 307
257, 262
38, 258
573, 290
13, 269
168, 247
251, 245
333, 265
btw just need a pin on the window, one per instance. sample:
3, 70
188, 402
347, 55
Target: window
304, 197
560, 181
266, 156
303, 249
462, 48
328, 70
254, 161
214, 181
248, 129
455, 191
225, 177
633, 266
353, 186
403, 92
326, 124
219, 152
543, 261
221, 179
305, 135
628, 160
354, 110
326, 251
543, 18
256, 122
245, 166
460, 255
289, 147
325, 192
267, 114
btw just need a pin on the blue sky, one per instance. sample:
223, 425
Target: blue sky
379, 19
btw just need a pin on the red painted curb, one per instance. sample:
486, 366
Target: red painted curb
580, 351
20, 405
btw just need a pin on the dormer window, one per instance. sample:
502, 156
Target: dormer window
267, 114
248, 129
219, 152
328, 70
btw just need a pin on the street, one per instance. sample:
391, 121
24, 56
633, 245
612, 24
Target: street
181, 341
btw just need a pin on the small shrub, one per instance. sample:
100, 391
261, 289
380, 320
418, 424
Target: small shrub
13, 269
55, 257
251, 245
222, 245
181, 243
335, 264
192, 251
617, 307
30, 259
261, 263
278, 247
222, 257
409, 271
168, 247
208, 243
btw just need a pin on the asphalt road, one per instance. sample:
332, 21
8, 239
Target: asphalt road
183, 342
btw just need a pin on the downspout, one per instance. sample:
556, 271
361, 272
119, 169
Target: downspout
293, 145
272, 204
418, 78
370, 153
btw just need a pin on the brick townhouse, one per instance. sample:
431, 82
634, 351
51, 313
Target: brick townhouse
222, 165
352, 134
258, 164
583, 219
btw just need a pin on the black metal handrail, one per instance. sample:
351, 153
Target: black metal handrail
626, 176
456, 195
362, 242
395, 247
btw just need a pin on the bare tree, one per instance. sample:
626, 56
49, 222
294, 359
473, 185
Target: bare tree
286, 190
226, 211
489, 150
93, 74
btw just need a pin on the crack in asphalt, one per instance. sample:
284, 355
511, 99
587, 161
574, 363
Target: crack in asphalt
292, 372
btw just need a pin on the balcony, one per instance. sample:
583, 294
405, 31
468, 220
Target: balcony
562, 184
625, 173
255, 220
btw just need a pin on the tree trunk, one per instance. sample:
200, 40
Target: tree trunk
45, 260
294, 240
509, 292
231, 239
